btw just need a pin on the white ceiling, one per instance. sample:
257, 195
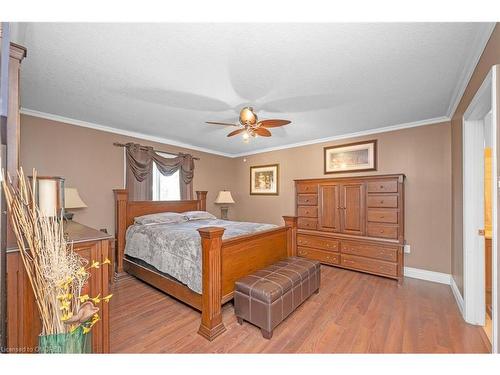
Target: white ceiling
165, 80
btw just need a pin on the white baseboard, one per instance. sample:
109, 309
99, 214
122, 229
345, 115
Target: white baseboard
436, 277
458, 296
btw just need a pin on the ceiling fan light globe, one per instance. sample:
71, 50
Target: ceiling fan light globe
248, 116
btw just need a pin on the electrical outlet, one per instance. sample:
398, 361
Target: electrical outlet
407, 249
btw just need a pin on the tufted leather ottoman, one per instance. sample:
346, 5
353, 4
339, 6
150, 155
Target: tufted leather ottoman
268, 296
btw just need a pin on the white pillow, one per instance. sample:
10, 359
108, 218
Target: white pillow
198, 215
161, 218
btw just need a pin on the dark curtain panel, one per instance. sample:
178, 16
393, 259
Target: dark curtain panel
140, 161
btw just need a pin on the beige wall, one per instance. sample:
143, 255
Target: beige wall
423, 154
89, 161
490, 57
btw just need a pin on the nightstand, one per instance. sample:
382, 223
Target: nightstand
23, 323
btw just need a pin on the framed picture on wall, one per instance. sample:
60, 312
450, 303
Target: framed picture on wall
351, 157
264, 180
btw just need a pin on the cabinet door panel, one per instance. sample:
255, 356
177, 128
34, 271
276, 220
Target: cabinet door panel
329, 208
353, 209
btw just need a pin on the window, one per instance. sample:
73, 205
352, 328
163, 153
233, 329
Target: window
166, 188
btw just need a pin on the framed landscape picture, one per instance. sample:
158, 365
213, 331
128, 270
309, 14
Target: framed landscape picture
351, 157
264, 180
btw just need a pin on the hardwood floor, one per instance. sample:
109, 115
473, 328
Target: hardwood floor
353, 313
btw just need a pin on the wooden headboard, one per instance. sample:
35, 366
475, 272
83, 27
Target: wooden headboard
127, 211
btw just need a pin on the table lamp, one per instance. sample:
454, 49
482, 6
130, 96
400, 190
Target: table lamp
72, 200
224, 198
49, 195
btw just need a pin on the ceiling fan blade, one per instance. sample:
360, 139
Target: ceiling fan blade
262, 132
234, 132
220, 123
273, 123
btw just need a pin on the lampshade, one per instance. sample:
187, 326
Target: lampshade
49, 195
72, 199
224, 197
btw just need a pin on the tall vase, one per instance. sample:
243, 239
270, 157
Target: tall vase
75, 342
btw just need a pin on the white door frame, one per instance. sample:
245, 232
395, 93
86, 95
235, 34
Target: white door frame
473, 213
495, 76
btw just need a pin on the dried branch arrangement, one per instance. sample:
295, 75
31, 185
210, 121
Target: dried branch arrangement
57, 273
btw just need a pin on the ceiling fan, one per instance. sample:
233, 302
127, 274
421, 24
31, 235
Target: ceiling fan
251, 126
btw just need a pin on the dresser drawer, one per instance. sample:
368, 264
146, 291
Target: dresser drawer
322, 256
307, 188
382, 186
307, 199
307, 211
306, 223
317, 242
382, 230
390, 201
370, 265
370, 250
383, 215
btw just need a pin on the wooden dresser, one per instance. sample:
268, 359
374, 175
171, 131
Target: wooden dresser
355, 223
23, 323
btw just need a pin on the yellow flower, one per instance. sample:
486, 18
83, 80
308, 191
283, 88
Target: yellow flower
66, 296
67, 316
96, 299
81, 272
64, 305
107, 298
94, 264
95, 319
106, 261
86, 330
84, 298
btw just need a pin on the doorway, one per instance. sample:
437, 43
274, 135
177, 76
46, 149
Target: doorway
480, 209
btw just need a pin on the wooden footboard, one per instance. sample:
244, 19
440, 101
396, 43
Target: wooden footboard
223, 262
226, 261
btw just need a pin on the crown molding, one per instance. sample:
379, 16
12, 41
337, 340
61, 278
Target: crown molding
432, 121
478, 49
109, 129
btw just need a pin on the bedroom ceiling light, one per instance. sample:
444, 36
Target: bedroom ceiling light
250, 126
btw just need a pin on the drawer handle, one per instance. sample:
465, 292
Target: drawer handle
382, 201
381, 186
382, 216
381, 231
307, 200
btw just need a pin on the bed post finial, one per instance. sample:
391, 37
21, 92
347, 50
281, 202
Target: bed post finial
121, 200
201, 196
211, 299
291, 224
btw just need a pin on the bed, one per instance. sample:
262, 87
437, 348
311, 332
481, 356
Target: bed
224, 254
